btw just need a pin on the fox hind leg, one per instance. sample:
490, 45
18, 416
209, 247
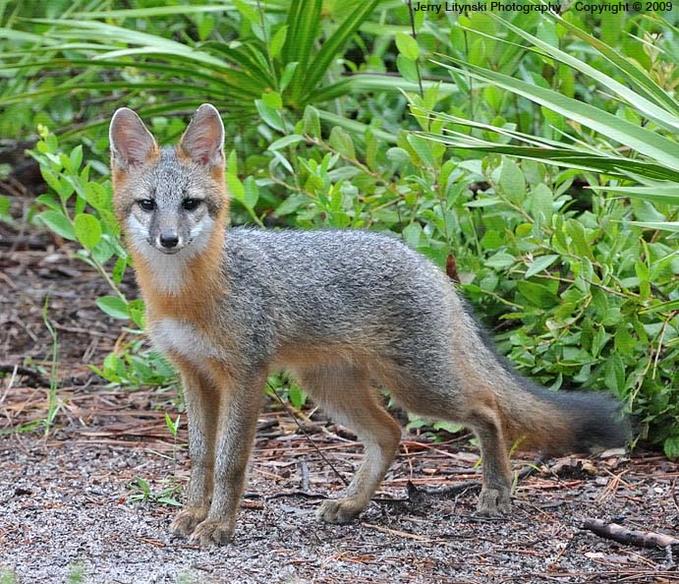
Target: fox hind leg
472, 403
495, 497
344, 393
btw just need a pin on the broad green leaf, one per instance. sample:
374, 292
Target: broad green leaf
500, 260
614, 377
278, 41
540, 264
353, 126
234, 184
250, 192
103, 251
58, 222
341, 141
290, 204
407, 68
398, 155
542, 202
312, 122
51, 179
407, 46
671, 447
487, 202
114, 306
50, 200
271, 116
537, 294
87, 229
97, 196
273, 100
511, 180
5, 205
76, 157
423, 148
624, 341
413, 235
287, 75
285, 141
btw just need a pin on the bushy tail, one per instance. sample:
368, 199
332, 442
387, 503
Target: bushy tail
556, 421
563, 421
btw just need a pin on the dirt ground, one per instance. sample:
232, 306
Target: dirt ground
72, 505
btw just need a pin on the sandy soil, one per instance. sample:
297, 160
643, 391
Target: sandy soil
69, 508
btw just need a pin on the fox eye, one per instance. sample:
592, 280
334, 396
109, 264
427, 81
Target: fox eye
190, 204
147, 204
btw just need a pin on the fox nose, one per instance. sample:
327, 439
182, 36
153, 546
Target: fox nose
169, 240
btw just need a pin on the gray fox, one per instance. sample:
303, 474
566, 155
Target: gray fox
345, 312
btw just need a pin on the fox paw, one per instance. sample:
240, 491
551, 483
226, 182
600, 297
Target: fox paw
493, 501
186, 520
210, 533
339, 510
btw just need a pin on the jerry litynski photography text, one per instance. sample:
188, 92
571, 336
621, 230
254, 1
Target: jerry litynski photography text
526, 8
493, 5
330, 291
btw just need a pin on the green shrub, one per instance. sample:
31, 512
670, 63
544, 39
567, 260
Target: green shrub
575, 289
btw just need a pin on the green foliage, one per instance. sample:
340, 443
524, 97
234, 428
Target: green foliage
141, 491
285, 387
172, 425
135, 366
608, 316
246, 59
53, 405
541, 155
76, 573
80, 209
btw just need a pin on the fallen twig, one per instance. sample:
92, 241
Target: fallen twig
281, 494
33, 375
621, 534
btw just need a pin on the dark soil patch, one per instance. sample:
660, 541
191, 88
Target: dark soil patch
67, 502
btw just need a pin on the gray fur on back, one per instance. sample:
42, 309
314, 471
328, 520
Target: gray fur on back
342, 287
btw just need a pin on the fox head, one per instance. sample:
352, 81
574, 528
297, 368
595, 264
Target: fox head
169, 200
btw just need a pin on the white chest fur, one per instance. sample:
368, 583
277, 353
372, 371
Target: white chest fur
183, 338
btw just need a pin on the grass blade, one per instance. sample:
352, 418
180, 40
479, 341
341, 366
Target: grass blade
334, 44
622, 131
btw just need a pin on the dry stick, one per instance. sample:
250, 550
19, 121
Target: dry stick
306, 435
35, 376
629, 536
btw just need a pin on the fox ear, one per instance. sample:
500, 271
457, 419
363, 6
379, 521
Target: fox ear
203, 140
131, 143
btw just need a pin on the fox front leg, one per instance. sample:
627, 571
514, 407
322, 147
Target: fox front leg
240, 406
202, 405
